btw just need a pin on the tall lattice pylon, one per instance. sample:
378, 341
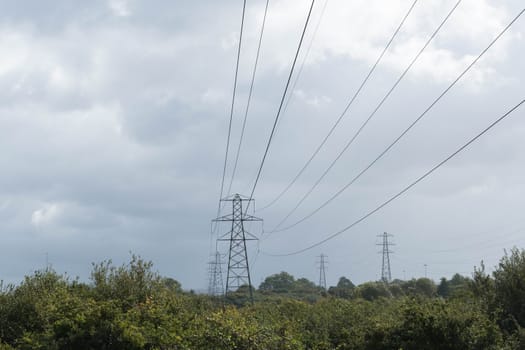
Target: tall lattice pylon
216, 284
322, 271
386, 274
238, 268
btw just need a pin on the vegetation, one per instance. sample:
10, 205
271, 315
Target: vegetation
132, 307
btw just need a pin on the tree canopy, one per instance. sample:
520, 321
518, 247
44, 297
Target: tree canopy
132, 307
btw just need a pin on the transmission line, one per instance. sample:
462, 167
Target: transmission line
307, 53
387, 149
404, 190
249, 97
363, 83
282, 101
232, 107
358, 132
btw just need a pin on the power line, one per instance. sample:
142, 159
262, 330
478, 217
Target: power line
404, 190
387, 149
318, 149
282, 101
358, 132
249, 97
299, 72
307, 53
231, 109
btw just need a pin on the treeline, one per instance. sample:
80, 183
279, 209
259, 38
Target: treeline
285, 285
132, 307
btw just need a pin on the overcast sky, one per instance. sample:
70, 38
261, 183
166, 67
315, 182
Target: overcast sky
114, 117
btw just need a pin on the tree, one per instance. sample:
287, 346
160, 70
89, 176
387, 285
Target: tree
279, 283
395, 290
424, 323
443, 289
459, 286
304, 286
509, 284
343, 289
130, 284
241, 296
373, 290
172, 285
345, 283
425, 287
483, 289
419, 287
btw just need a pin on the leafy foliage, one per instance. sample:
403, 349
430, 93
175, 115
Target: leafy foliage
284, 284
344, 289
131, 307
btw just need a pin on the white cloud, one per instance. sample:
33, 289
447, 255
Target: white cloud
120, 8
46, 215
213, 96
360, 30
312, 100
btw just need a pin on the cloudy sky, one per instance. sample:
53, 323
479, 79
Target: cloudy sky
114, 116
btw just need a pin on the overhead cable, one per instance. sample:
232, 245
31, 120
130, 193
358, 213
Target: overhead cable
249, 97
352, 99
231, 111
398, 138
281, 103
404, 190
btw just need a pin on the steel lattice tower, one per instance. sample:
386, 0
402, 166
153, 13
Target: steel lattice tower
216, 284
386, 274
322, 271
238, 268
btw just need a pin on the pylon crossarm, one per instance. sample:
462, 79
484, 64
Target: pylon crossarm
250, 218
228, 217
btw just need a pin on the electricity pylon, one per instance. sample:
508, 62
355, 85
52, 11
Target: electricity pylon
238, 268
322, 271
216, 284
386, 274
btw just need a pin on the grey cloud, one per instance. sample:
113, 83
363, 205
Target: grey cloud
128, 144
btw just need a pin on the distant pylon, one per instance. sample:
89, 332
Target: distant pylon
238, 267
386, 274
216, 284
322, 271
